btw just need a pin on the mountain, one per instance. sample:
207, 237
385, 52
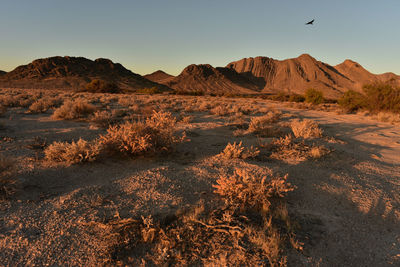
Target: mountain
73, 73
208, 79
296, 75
2, 72
159, 76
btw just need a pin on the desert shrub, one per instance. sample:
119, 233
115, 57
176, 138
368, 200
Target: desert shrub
149, 91
263, 124
156, 133
305, 129
289, 149
74, 152
281, 96
238, 151
248, 225
100, 86
382, 97
220, 110
387, 117
296, 98
352, 101
74, 110
102, 118
251, 188
44, 104
314, 96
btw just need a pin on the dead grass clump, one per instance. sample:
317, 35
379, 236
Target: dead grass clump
305, 129
74, 152
74, 110
156, 133
238, 151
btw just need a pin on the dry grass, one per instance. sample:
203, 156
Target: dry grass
238, 151
74, 152
74, 110
305, 129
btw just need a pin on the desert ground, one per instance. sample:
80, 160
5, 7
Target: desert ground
176, 203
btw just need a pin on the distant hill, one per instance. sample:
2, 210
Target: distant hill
298, 74
208, 79
159, 76
245, 76
73, 73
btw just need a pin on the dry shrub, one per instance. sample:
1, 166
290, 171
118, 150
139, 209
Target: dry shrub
220, 110
305, 129
157, 133
238, 151
102, 118
388, 117
252, 188
44, 104
289, 149
187, 119
237, 120
264, 125
74, 152
74, 110
246, 229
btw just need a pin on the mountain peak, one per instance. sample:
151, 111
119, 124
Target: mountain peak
72, 72
306, 57
159, 76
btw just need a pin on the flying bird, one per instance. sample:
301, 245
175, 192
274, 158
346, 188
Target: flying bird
310, 22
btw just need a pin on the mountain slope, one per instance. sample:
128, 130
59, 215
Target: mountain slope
159, 76
208, 79
296, 75
72, 72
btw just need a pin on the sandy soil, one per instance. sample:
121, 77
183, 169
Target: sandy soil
347, 203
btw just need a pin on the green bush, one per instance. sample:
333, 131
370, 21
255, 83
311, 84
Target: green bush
314, 96
352, 101
382, 97
100, 86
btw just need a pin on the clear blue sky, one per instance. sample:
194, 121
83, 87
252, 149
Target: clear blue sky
170, 34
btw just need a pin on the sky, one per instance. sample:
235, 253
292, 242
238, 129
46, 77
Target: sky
148, 35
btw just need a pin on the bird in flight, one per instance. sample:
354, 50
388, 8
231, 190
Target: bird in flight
310, 22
